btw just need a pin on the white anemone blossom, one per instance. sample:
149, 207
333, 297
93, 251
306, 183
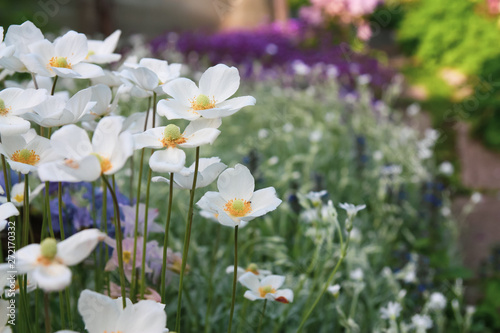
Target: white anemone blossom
15, 102
172, 159
101, 52
63, 58
7, 210
17, 194
26, 152
209, 100
84, 160
252, 268
267, 288
236, 201
208, 170
103, 314
48, 262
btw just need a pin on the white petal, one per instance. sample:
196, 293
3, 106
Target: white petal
182, 90
237, 183
145, 316
73, 46
7, 210
12, 125
202, 123
123, 150
251, 295
88, 71
53, 277
150, 139
275, 281
76, 248
169, 160
71, 142
85, 169
251, 281
100, 313
106, 135
228, 107
263, 201
201, 137
283, 296
174, 109
26, 258
220, 82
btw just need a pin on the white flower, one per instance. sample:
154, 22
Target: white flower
357, 274
391, 311
334, 290
62, 58
316, 197
58, 111
470, 310
421, 322
210, 100
86, 161
17, 194
135, 122
4, 316
49, 261
413, 109
103, 314
208, 170
7, 210
101, 52
15, 102
150, 75
437, 301
252, 268
267, 288
197, 133
236, 200
351, 209
476, 197
26, 152
446, 168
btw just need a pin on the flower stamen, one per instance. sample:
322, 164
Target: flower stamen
59, 62
202, 102
3, 109
238, 207
172, 136
25, 156
264, 290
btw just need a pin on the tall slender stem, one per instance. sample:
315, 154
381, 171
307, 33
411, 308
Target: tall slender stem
104, 222
210, 282
26, 214
6, 178
165, 240
145, 235
48, 328
235, 275
119, 245
262, 316
187, 238
53, 90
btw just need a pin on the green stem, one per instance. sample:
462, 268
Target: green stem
145, 235
165, 240
47, 209
187, 238
262, 316
210, 279
235, 275
26, 214
104, 222
54, 85
6, 178
48, 328
119, 245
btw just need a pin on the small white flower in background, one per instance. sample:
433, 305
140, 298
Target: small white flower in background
334, 290
15, 102
470, 310
413, 109
356, 235
300, 68
26, 152
455, 304
273, 160
391, 311
104, 314
7, 210
446, 211
86, 161
58, 111
288, 128
263, 133
267, 288
62, 58
316, 197
252, 268
446, 168
208, 170
101, 52
48, 262
378, 155
476, 197
356, 275
364, 79
352, 210
421, 323
17, 194
236, 200
135, 122
315, 136
402, 294
210, 100
149, 75
437, 301
172, 159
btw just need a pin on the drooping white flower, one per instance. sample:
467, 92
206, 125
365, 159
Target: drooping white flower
48, 262
149, 75
17, 194
7, 210
86, 161
236, 200
208, 170
103, 314
209, 100
172, 159
267, 288
391, 311
437, 301
101, 52
352, 210
334, 290
58, 111
13, 103
26, 152
62, 58
252, 268
421, 323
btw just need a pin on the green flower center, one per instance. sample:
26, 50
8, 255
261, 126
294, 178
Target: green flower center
3, 110
172, 132
203, 101
48, 248
253, 268
59, 62
238, 205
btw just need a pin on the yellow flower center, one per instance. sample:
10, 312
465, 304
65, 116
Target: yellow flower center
25, 156
3, 109
19, 198
253, 268
238, 207
264, 290
202, 102
172, 136
91, 53
59, 62
127, 257
105, 162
